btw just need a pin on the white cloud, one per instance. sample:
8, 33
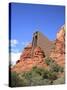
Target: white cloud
25, 43
15, 54
15, 57
15, 50
14, 42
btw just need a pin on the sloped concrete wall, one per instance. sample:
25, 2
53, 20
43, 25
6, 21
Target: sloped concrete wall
42, 42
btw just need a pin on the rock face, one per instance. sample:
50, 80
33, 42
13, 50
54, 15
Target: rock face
27, 61
58, 52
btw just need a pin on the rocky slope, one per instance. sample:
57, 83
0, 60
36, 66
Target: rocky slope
28, 60
58, 52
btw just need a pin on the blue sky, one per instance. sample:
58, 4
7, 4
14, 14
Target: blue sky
28, 18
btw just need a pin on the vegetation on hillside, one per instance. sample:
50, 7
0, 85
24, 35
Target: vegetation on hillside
39, 76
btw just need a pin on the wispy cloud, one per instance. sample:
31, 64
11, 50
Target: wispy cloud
14, 43
15, 50
15, 54
25, 43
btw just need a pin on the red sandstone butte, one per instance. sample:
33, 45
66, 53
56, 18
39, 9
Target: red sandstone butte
58, 53
29, 59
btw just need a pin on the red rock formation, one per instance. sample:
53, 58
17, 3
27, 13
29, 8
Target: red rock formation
27, 61
58, 53
26, 53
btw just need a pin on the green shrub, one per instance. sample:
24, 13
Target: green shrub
42, 75
54, 67
40, 71
15, 80
46, 82
52, 76
37, 76
61, 69
40, 82
60, 80
48, 60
